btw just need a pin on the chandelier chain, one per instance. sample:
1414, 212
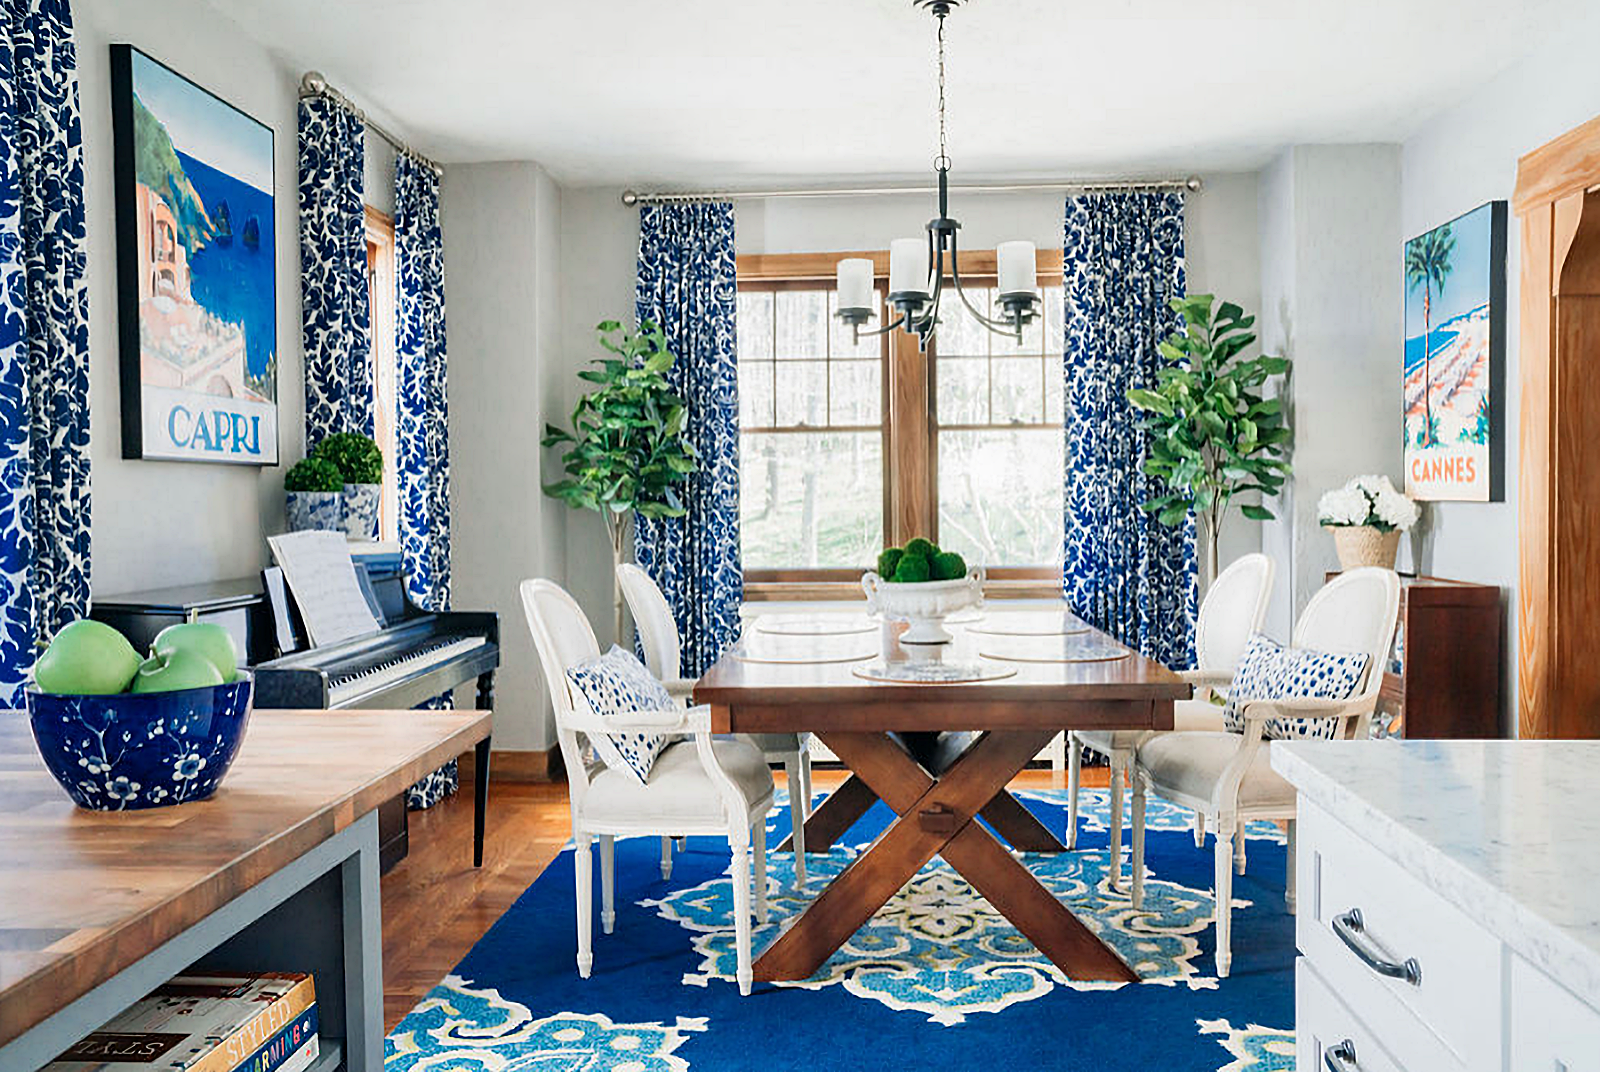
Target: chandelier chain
943, 161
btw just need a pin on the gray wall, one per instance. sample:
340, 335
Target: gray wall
1458, 160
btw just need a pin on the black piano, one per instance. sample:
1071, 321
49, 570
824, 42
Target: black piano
415, 656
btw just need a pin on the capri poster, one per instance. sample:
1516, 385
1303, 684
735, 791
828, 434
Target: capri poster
197, 287
1454, 370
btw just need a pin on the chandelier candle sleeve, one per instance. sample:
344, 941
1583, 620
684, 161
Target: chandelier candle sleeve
1017, 267
908, 266
855, 283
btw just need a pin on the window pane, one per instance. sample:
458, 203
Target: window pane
963, 390
855, 395
1018, 390
755, 394
802, 393
1054, 340
754, 326
842, 338
811, 499
1000, 496
959, 334
802, 324
1055, 384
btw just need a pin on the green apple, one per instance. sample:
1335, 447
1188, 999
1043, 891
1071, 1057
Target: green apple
178, 669
86, 658
211, 642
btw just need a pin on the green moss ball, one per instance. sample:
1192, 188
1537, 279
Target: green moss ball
948, 566
888, 560
919, 546
912, 569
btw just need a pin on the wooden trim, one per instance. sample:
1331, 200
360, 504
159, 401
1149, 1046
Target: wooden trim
378, 219
1570, 164
789, 267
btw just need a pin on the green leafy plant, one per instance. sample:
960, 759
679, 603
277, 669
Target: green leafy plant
920, 560
628, 450
1213, 436
356, 456
313, 474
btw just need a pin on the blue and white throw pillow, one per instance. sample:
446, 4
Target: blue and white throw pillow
617, 683
1270, 671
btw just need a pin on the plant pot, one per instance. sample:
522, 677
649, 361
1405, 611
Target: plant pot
361, 510
314, 510
1363, 545
923, 605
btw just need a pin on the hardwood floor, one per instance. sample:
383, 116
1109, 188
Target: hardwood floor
436, 904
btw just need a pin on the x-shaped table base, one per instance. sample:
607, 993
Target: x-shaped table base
934, 816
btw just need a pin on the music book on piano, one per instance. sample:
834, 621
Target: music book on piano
320, 573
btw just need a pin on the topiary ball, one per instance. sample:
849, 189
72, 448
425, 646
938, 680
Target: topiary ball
948, 566
919, 546
888, 560
912, 569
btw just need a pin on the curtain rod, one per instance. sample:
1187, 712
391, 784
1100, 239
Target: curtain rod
314, 84
1191, 184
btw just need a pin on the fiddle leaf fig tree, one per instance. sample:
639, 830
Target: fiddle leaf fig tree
628, 451
1213, 437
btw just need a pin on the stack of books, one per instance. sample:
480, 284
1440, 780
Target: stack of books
207, 1023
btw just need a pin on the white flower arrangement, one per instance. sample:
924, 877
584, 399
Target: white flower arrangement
1368, 500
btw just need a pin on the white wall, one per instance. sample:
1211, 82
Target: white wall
502, 274
1454, 163
159, 523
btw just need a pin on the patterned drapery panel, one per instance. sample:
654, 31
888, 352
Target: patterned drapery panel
687, 285
44, 338
422, 424
333, 271
1124, 572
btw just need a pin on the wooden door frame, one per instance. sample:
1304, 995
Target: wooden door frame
1558, 597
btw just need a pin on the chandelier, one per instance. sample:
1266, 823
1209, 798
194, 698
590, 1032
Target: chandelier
917, 266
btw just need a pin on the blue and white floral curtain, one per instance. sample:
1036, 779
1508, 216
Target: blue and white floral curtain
422, 425
1125, 572
44, 338
333, 270
687, 285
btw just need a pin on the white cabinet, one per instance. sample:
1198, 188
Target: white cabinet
1395, 978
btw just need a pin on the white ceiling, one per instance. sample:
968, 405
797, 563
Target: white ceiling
730, 93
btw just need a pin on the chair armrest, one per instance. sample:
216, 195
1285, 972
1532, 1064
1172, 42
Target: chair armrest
1211, 679
681, 688
1306, 707
676, 720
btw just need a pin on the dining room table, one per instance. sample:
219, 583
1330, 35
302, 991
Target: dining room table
937, 732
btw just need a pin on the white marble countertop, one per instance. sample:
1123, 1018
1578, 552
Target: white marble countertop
1508, 831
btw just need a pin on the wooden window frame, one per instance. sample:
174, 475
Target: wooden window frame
382, 322
910, 428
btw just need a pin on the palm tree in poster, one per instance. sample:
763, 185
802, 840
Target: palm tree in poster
1428, 264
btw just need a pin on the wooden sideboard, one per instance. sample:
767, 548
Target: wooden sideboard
277, 871
1443, 677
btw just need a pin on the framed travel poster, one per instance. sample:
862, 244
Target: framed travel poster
196, 270
1453, 378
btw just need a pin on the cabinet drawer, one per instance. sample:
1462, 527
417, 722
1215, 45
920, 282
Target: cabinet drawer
1447, 971
1323, 1023
1551, 1030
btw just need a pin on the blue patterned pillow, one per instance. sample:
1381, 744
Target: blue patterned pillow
1270, 671
616, 683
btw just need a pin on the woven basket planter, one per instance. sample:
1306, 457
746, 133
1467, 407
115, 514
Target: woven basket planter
1363, 545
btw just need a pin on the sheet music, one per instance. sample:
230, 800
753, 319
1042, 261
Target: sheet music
323, 579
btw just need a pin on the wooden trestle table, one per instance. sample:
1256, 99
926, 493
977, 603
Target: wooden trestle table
904, 744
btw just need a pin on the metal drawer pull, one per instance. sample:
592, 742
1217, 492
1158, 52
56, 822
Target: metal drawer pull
1341, 1058
1351, 932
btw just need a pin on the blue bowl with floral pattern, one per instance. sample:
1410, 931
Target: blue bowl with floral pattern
133, 750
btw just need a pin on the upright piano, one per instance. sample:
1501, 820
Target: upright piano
415, 656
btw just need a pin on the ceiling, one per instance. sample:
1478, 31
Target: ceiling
731, 93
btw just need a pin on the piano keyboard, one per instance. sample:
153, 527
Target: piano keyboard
343, 688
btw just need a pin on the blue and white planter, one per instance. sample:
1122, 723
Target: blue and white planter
129, 750
361, 503
314, 510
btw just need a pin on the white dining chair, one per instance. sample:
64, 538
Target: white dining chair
663, 654
1228, 776
1233, 609
698, 785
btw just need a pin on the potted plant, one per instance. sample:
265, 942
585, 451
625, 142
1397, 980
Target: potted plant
921, 585
1213, 436
360, 465
313, 495
627, 451
1367, 516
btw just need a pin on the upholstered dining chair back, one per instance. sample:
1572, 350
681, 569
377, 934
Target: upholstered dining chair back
1233, 609
652, 616
563, 638
1354, 612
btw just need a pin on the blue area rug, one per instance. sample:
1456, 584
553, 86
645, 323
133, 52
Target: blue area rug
936, 980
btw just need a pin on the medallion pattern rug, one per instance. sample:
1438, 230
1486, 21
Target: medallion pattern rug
937, 979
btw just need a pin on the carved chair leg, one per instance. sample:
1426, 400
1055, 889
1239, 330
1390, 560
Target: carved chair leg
583, 875
1074, 784
608, 882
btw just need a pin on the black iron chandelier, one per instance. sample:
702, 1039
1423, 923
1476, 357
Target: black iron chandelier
917, 266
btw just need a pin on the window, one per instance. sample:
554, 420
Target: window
381, 306
847, 446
